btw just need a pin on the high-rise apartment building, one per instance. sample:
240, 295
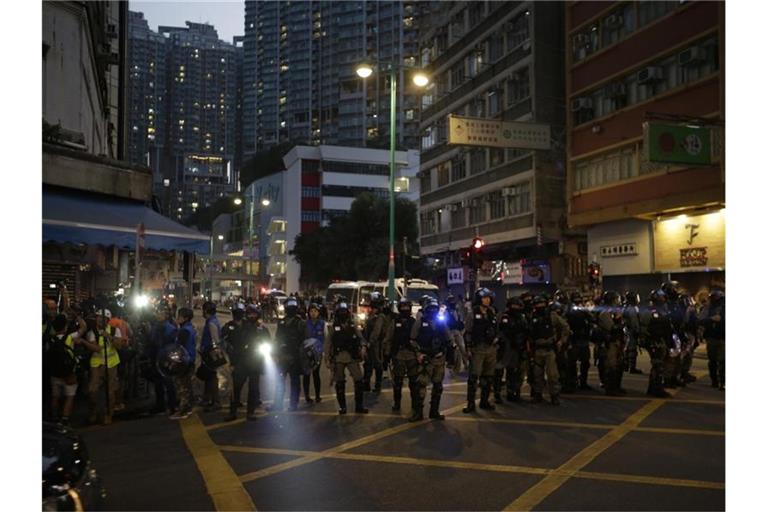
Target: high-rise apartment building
299, 80
499, 61
652, 204
146, 95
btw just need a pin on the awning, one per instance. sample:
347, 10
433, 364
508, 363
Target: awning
98, 220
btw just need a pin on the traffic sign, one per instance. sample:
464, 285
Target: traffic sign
455, 276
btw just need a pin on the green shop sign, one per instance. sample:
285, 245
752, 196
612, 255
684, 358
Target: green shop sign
670, 143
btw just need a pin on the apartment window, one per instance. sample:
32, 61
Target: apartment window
585, 43
310, 191
495, 101
457, 74
607, 168
518, 86
497, 156
477, 107
517, 31
458, 216
441, 83
443, 176
475, 62
428, 224
458, 168
310, 216
425, 181
497, 205
618, 25
518, 198
429, 138
495, 47
476, 13
477, 163
477, 210
650, 11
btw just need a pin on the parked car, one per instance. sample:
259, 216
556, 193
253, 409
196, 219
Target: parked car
69, 480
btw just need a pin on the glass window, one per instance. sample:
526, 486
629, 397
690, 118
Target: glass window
497, 205
518, 86
477, 162
518, 198
477, 210
457, 74
425, 182
605, 169
458, 216
458, 168
443, 175
618, 25
497, 156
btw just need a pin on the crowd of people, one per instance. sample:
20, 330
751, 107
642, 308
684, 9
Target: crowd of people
549, 341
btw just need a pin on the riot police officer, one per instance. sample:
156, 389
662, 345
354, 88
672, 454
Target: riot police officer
546, 332
672, 360
248, 345
480, 335
712, 327
563, 349
656, 329
513, 339
632, 323
346, 347
690, 332
580, 322
430, 336
375, 332
457, 351
403, 354
610, 322
289, 339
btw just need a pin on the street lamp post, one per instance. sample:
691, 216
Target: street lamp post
249, 259
420, 79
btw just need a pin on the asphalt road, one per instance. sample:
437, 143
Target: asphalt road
591, 453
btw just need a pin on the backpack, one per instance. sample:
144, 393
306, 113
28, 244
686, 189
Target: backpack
61, 358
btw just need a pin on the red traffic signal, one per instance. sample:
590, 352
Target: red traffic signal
477, 243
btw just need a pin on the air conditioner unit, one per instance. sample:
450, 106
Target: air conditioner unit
691, 56
581, 104
614, 21
650, 74
615, 90
507, 191
581, 40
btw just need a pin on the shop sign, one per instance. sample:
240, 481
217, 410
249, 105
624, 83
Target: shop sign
473, 131
513, 273
670, 143
455, 276
690, 242
536, 273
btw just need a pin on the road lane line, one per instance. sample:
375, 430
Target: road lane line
682, 431
220, 479
549, 484
279, 468
496, 468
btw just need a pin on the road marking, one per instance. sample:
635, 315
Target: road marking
683, 431
650, 480
496, 468
337, 449
222, 482
536, 494
624, 398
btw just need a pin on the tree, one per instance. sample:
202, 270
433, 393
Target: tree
355, 245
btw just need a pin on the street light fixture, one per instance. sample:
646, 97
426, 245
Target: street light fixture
220, 237
265, 202
420, 79
238, 201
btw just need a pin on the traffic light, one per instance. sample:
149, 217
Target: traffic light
594, 274
466, 257
476, 250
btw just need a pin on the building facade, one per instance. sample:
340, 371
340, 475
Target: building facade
498, 61
636, 64
318, 182
299, 80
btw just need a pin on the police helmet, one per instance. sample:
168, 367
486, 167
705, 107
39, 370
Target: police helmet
238, 311
576, 298
527, 298
404, 305
514, 303
610, 298
539, 302
716, 296
174, 361
423, 300
342, 311
450, 301
291, 306
671, 289
632, 298
482, 293
105, 313
377, 301
431, 306
658, 297
253, 309
556, 307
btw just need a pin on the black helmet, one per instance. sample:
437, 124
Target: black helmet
610, 298
716, 296
431, 305
482, 293
377, 301
450, 300
561, 297
556, 307
238, 311
576, 298
404, 305
539, 301
658, 297
516, 302
423, 300
291, 306
632, 298
342, 311
671, 289
174, 361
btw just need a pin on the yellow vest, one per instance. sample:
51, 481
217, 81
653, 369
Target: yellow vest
97, 358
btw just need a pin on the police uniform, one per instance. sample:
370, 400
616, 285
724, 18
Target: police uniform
481, 330
315, 330
632, 323
714, 334
432, 338
657, 332
289, 339
457, 351
543, 333
580, 323
375, 332
343, 348
513, 337
403, 356
673, 359
611, 324
247, 362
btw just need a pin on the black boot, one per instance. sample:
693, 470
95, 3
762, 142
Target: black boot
417, 414
471, 392
657, 392
377, 383
555, 399
434, 407
485, 393
341, 397
713, 374
536, 398
359, 409
397, 391
497, 381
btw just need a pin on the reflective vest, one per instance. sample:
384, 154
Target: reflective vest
97, 358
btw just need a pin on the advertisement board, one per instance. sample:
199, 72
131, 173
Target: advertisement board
474, 131
690, 242
536, 273
684, 144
